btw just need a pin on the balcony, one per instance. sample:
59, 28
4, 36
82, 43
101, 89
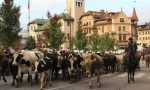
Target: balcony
123, 33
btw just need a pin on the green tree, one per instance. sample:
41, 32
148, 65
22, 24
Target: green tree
93, 43
54, 35
30, 43
9, 23
80, 39
106, 43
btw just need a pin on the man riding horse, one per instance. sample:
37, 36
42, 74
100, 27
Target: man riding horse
130, 59
131, 49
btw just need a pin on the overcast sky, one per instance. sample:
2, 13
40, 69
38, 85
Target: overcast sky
40, 7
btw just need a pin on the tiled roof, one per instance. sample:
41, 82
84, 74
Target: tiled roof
65, 16
102, 15
44, 26
144, 27
38, 21
134, 15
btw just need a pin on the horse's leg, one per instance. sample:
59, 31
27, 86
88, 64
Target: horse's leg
133, 76
128, 77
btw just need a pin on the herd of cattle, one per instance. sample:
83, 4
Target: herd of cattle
46, 65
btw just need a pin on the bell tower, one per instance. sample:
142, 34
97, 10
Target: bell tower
75, 8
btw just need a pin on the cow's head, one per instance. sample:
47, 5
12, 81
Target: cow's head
17, 57
72, 64
39, 65
87, 63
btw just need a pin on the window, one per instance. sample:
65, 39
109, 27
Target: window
119, 28
89, 30
81, 4
103, 29
124, 38
68, 23
124, 28
120, 38
121, 19
78, 4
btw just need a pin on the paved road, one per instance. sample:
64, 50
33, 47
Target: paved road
115, 81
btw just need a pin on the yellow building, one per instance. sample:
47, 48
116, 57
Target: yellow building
117, 24
37, 26
144, 35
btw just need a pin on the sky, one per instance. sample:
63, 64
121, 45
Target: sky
39, 8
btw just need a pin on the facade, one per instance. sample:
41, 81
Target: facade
24, 35
144, 35
117, 24
75, 8
37, 26
34, 27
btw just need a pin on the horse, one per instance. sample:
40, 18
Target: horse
131, 65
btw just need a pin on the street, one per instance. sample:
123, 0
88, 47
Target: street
111, 81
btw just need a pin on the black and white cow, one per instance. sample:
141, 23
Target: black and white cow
44, 68
26, 63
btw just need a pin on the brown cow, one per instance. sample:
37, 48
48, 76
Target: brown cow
93, 64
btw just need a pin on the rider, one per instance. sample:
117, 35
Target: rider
131, 48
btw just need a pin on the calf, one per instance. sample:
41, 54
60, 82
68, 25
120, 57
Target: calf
44, 68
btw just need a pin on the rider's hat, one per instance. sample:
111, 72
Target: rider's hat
130, 38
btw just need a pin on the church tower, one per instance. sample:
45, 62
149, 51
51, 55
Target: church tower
134, 20
75, 8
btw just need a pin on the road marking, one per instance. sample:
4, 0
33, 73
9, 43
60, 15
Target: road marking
123, 75
110, 74
139, 75
69, 85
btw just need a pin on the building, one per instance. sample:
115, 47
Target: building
24, 37
37, 26
75, 8
144, 35
117, 24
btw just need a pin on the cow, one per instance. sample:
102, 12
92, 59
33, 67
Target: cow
109, 62
74, 67
147, 59
44, 68
93, 64
3, 66
120, 62
26, 63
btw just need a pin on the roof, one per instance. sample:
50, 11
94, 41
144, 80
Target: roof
144, 27
134, 15
44, 26
101, 15
38, 21
65, 16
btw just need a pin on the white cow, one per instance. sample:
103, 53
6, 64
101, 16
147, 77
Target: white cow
26, 62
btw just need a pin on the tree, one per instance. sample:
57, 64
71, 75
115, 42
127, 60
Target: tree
53, 33
80, 40
30, 43
93, 43
9, 23
106, 43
